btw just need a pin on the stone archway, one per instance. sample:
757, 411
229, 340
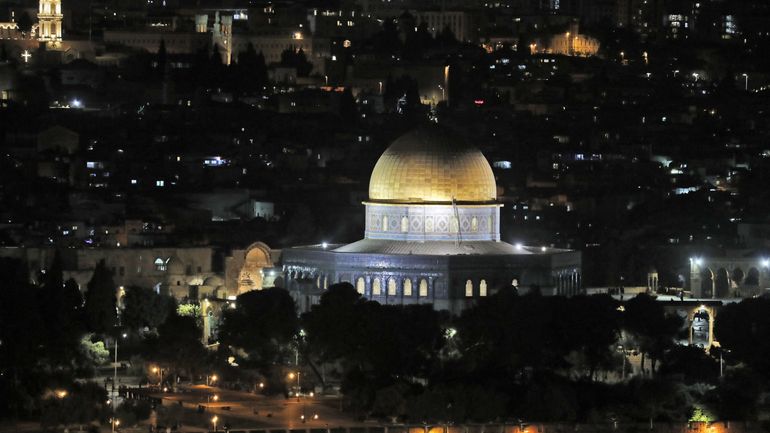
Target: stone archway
707, 283
251, 276
702, 316
721, 283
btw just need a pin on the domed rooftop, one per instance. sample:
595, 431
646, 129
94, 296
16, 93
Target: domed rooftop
431, 165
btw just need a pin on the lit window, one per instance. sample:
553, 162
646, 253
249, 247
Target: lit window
404, 224
407, 287
160, 183
474, 224
469, 288
360, 285
392, 287
423, 288
160, 264
376, 288
483, 288
385, 223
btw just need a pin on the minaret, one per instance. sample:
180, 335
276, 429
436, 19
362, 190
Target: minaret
49, 18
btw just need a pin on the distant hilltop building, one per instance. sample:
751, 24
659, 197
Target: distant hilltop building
47, 29
569, 43
432, 235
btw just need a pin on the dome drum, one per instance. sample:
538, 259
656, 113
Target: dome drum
432, 222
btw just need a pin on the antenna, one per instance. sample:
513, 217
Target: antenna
457, 218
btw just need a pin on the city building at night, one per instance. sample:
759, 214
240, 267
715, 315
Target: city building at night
432, 235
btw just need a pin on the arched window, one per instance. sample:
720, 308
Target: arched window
391, 286
160, 264
483, 288
468, 288
404, 224
474, 224
326, 282
454, 225
376, 287
423, 288
385, 223
360, 285
429, 224
407, 287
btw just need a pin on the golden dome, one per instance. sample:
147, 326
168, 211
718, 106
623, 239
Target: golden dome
430, 165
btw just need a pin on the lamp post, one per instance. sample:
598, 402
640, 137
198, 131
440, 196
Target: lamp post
211, 379
115, 379
159, 370
291, 376
214, 420
745, 82
443, 92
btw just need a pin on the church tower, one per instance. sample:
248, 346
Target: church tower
49, 21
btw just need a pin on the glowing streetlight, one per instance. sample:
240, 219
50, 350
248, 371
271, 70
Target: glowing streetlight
214, 420
61, 393
291, 377
211, 379
159, 371
745, 82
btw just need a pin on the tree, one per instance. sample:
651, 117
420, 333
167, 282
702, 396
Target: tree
264, 324
23, 341
61, 306
178, 344
24, 22
100, 305
144, 308
653, 329
293, 58
744, 329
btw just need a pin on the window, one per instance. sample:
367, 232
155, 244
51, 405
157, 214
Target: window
407, 287
454, 225
360, 285
376, 288
404, 224
160, 183
423, 288
391, 287
160, 264
468, 288
474, 224
385, 223
483, 288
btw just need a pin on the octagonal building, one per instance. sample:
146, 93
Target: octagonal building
432, 235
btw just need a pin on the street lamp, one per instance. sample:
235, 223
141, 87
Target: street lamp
443, 92
115, 377
158, 370
214, 420
211, 379
291, 376
746, 82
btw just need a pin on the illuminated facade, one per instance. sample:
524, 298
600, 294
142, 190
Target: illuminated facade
432, 235
49, 18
